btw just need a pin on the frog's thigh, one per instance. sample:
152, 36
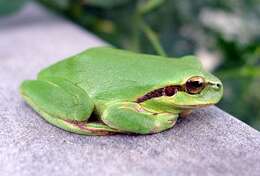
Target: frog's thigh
130, 117
64, 105
58, 98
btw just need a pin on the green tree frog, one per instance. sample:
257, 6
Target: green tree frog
106, 91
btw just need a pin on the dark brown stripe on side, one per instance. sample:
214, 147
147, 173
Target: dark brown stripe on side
165, 91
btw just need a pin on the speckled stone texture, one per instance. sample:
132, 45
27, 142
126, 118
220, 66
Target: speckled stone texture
209, 142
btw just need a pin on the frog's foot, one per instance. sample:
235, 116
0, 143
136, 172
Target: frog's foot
185, 113
131, 117
86, 128
60, 102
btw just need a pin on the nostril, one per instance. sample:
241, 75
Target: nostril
216, 86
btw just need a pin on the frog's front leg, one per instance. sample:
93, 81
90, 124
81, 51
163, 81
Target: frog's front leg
63, 104
131, 117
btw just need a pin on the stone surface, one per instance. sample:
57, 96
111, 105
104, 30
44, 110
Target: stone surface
209, 142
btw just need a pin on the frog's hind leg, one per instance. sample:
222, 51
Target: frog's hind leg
63, 104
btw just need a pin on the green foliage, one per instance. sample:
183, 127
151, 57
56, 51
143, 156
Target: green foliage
10, 6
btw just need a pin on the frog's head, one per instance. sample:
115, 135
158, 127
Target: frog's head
193, 87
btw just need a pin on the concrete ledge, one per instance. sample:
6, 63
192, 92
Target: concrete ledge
209, 142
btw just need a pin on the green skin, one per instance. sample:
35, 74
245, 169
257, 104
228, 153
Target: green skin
105, 83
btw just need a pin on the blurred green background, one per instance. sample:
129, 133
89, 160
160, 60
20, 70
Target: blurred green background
224, 34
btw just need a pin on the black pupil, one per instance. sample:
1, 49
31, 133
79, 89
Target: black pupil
196, 84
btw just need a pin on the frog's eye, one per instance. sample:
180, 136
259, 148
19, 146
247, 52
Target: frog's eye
195, 85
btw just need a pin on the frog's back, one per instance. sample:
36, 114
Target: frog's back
105, 69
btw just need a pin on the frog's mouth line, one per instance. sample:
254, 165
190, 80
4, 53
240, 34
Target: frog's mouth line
164, 91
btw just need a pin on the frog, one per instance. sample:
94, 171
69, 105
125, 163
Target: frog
105, 90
